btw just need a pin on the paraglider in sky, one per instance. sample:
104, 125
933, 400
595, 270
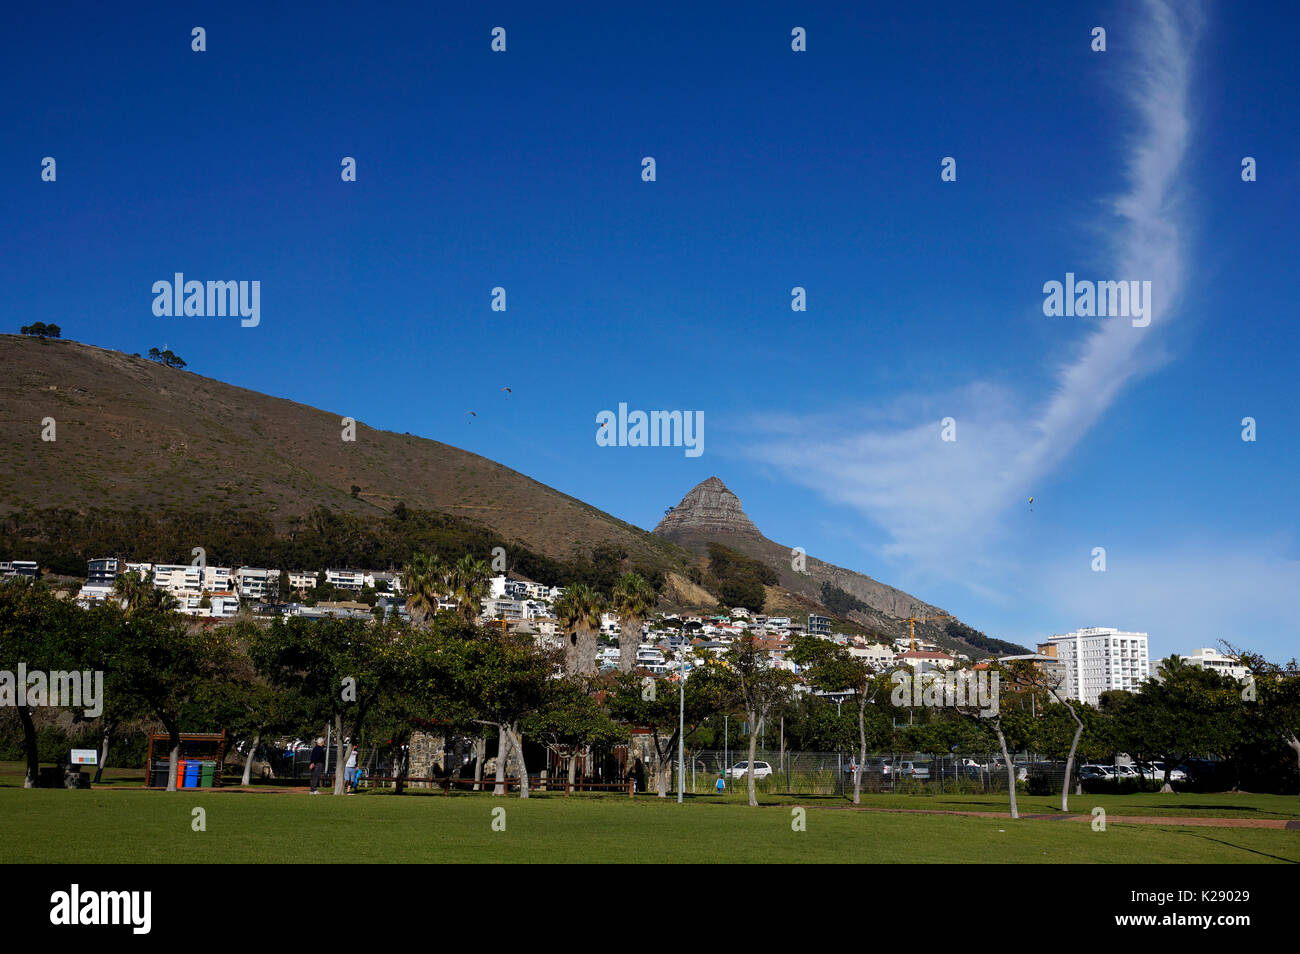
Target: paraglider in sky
471, 414
507, 390
1031, 504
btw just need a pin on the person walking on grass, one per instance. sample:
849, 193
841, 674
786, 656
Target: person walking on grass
350, 773
317, 765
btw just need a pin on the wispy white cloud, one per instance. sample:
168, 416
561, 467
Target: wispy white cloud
934, 497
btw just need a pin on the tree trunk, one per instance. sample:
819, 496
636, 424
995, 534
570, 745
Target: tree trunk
571, 641
248, 759
480, 755
517, 741
1294, 743
750, 783
341, 753
629, 641
174, 739
1011, 771
1166, 788
586, 651
33, 756
663, 768
103, 754
1069, 762
502, 749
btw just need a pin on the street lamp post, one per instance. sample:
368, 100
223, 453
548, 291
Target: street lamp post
681, 725
839, 756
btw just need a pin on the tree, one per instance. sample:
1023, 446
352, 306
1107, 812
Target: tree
571, 718
1069, 732
138, 594
1186, 711
46, 634
493, 679
655, 705
158, 659
1272, 696
1007, 716
758, 686
633, 600
40, 330
424, 581
1039, 681
469, 580
342, 668
579, 610
166, 358
832, 668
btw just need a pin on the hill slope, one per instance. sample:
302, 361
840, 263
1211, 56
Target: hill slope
133, 433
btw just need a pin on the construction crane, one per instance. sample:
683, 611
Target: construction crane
911, 626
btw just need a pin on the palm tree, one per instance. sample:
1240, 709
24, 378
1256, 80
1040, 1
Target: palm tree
137, 593
470, 585
634, 600
424, 582
579, 612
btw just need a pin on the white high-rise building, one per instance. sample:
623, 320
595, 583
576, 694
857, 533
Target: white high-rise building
1098, 659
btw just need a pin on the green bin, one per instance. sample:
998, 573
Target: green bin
206, 771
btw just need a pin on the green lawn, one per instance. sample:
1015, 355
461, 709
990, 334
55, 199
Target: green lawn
123, 825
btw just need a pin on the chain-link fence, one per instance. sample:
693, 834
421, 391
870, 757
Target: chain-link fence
831, 773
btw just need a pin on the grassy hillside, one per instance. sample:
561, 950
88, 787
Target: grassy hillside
134, 434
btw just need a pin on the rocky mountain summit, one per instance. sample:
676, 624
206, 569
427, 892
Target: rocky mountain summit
711, 513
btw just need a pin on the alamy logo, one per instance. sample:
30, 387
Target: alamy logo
978, 690
655, 429
193, 299
1087, 299
75, 690
75, 907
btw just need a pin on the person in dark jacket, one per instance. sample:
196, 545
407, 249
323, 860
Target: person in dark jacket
317, 765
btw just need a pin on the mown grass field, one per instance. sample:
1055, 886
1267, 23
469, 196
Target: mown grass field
124, 824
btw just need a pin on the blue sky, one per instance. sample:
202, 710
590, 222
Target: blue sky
774, 169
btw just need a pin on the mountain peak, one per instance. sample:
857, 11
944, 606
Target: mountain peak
708, 508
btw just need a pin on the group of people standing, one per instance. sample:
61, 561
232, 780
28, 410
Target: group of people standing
350, 772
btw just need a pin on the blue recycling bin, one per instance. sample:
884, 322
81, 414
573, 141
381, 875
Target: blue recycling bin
192, 774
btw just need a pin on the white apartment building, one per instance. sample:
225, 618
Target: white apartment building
503, 609
1209, 658
252, 582
14, 568
1098, 659
221, 605
874, 655
218, 578
178, 578
301, 579
347, 579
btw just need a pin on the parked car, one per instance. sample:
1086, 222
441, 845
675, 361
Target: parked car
739, 770
1175, 774
1093, 773
1125, 771
1022, 769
